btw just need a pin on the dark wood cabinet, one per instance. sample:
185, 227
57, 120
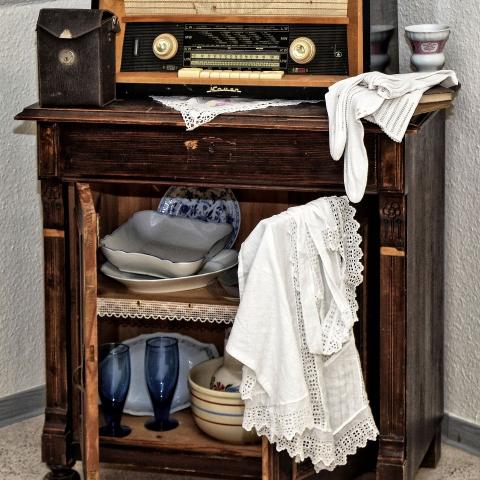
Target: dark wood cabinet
97, 167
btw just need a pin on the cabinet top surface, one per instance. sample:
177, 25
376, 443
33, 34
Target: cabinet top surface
147, 112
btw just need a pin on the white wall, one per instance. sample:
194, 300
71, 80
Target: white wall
462, 289
21, 276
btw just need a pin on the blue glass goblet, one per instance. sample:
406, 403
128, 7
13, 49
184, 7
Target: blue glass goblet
113, 385
161, 375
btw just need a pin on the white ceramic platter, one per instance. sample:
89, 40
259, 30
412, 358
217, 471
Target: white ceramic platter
212, 205
150, 243
221, 263
191, 353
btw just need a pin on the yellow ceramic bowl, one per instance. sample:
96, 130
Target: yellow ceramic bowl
218, 414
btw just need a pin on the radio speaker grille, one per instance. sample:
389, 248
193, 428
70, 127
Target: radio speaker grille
307, 8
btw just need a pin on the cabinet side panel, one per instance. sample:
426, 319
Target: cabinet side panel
425, 156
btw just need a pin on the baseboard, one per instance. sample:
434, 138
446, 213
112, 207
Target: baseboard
22, 405
461, 434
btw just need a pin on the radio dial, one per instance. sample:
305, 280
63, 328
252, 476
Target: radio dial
165, 46
302, 50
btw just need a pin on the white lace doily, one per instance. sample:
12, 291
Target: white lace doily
197, 111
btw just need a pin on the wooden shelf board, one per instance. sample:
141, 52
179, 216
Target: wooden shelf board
208, 304
277, 19
171, 78
186, 438
209, 295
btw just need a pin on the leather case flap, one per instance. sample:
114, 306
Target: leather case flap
73, 23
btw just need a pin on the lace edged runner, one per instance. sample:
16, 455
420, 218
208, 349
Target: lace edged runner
200, 110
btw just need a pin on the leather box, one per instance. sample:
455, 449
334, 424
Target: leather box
76, 57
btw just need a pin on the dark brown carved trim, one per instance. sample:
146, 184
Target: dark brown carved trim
387, 471
392, 221
48, 149
275, 466
52, 202
390, 168
56, 434
392, 445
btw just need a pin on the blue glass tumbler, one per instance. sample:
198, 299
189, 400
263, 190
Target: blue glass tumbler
161, 375
113, 385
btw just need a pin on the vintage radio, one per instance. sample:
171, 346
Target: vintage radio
287, 48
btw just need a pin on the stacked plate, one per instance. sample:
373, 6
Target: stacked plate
186, 244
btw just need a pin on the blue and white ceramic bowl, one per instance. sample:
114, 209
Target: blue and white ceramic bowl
212, 205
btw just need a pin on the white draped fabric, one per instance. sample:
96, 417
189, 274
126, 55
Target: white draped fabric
387, 100
302, 380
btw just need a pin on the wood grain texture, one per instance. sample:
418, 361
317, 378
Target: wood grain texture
48, 150
276, 465
391, 171
303, 117
175, 440
223, 157
87, 228
425, 176
118, 8
297, 19
214, 8
182, 463
392, 440
274, 158
56, 435
355, 37
288, 80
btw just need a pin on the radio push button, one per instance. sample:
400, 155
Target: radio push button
165, 46
203, 73
189, 72
302, 50
272, 75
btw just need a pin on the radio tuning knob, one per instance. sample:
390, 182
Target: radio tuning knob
165, 46
302, 50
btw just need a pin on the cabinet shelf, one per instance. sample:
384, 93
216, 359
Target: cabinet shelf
206, 304
186, 437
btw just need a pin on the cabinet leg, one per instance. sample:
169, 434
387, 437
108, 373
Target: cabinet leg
62, 473
434, 451
387, 471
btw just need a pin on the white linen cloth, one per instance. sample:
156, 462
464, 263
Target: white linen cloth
302, 381
387, 100
197, 111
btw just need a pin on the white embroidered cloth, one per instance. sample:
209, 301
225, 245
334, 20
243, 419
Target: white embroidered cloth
387, 100
197, 111
302, 381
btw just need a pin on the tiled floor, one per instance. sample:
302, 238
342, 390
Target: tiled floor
20, 459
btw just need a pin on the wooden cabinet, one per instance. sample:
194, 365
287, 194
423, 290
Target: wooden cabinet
97, 167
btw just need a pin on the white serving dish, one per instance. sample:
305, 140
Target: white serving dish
229, 282
222, 262
217, 413
150, 243
191, 353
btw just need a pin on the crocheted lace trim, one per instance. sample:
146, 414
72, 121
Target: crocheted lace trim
279, 420
158, 310
201, 110
328, 451
346, 240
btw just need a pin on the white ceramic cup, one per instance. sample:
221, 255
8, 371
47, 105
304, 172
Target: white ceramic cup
428, 42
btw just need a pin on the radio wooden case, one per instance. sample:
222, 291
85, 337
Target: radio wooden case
243, 47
